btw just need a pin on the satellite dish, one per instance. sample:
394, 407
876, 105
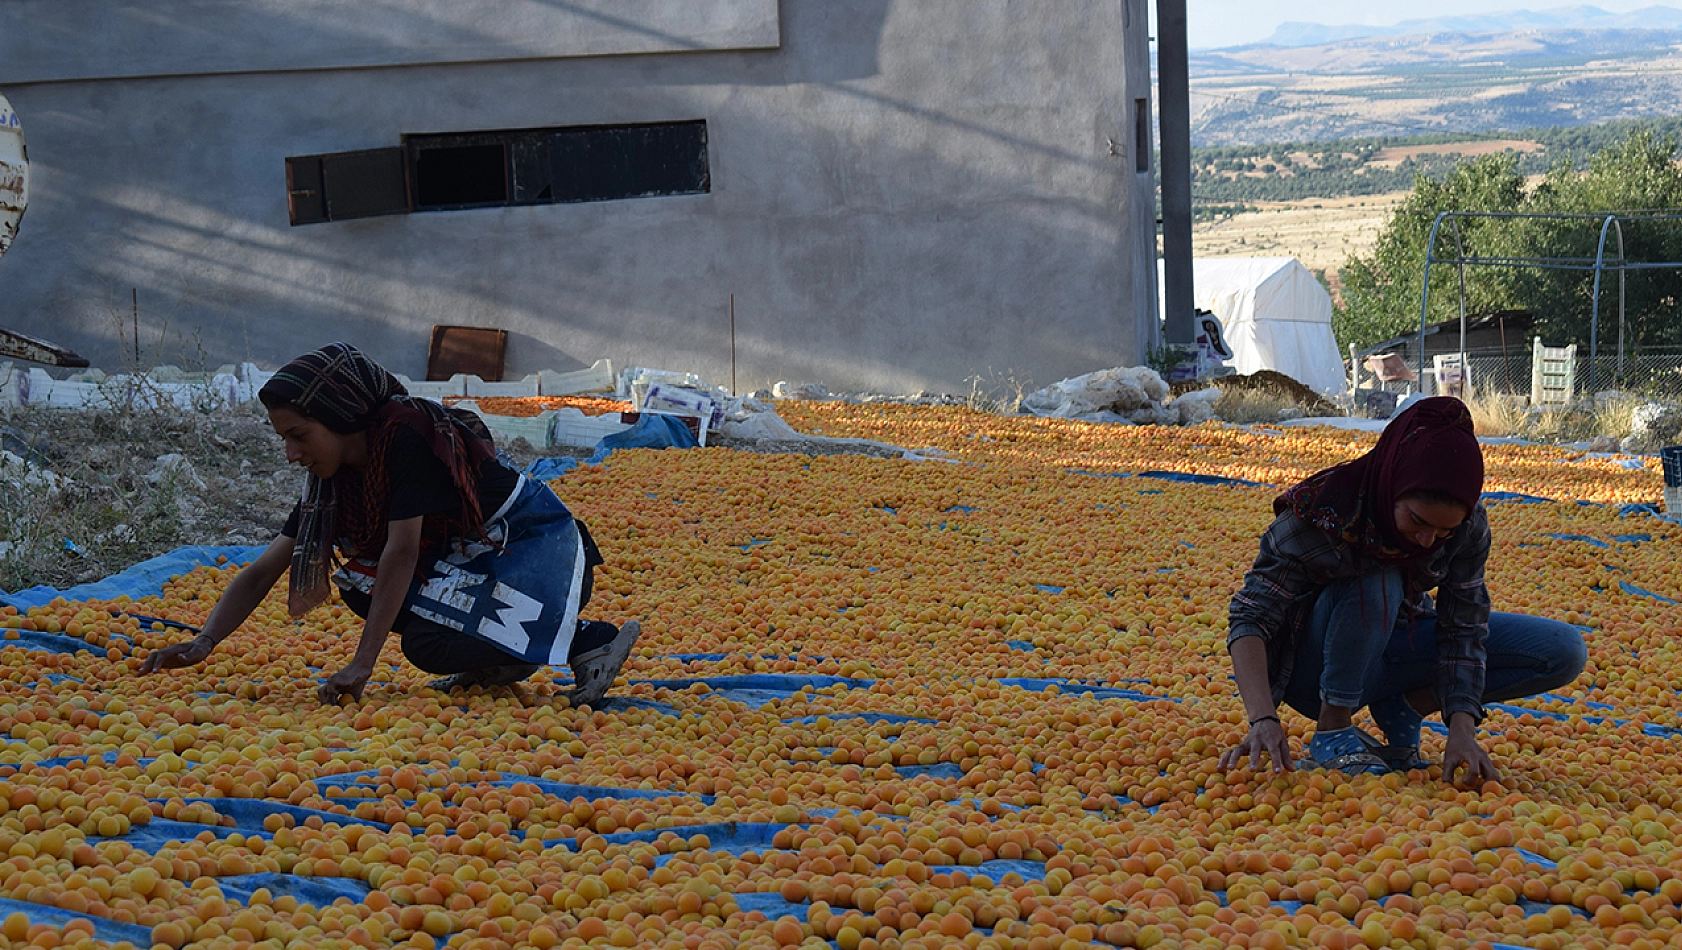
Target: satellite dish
14, 175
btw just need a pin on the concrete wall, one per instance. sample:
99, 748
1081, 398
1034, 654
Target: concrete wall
63, 40
906, 193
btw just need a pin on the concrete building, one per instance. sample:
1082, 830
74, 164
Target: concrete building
900, 194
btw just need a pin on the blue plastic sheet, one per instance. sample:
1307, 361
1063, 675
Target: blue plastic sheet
1021, 646
146, 579
160, 832
1193, 479
940, 770
728, 837
998, 868
772, 905
757, 689
549, 469
1514, 496
250, 813
861, 717
1651, 729
1073, 688
319, 891
108, 930
49, 642
652, 431
1629, 588
561, 790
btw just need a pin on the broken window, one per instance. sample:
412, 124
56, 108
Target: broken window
464, 174
495, 169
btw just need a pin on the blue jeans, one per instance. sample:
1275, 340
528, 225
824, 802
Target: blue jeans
1359, 649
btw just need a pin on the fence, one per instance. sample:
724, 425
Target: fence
1653, 374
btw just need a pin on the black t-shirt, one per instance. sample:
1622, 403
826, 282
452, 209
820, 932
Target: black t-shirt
421, 483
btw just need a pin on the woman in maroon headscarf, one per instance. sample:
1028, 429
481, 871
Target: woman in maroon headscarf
1335, 615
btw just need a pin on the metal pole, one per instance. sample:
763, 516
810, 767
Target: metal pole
1425, 295
733, 390
1506, 361
1174, 98
1623, 271
1594, 309
1460, 251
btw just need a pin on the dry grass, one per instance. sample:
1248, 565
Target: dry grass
1609, 415
94, 478
1249, 406
1498, 416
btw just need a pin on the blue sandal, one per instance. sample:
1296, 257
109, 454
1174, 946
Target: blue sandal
1343, 751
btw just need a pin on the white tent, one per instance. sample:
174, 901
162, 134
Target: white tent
1275, 315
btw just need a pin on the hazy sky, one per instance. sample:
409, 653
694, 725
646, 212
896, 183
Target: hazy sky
1230, 22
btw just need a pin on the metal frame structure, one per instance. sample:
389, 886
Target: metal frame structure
1611, 222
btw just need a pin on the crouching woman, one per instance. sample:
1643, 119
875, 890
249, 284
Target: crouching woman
480, 570
1335, 614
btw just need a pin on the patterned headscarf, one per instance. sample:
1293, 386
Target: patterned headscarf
1429, 448
344, 390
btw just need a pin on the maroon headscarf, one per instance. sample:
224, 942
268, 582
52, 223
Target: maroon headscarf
1431, 448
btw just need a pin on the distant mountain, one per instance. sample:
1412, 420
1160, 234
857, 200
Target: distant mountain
1446, 82
1296, 34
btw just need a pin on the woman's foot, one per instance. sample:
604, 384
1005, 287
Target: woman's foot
488, 678
594, 672
1399, 758
1343, 750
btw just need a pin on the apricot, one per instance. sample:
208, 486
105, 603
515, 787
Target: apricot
913, 590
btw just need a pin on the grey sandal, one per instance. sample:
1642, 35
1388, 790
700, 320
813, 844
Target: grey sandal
1343, 751
593, 673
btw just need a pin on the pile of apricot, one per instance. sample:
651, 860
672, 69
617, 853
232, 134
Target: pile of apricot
915, 781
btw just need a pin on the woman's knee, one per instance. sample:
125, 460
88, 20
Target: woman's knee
1554, 652
1568, 657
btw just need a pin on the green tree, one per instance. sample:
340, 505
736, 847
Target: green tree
1636, 175
1633, 175
1381, 291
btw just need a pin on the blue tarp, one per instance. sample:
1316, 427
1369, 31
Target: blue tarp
549, 469
1523, 499
1629, 588
652, 431
1072, 688
1202, 479
757, 689
145, 579
320, 891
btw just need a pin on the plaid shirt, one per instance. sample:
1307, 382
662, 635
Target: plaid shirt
1297, 559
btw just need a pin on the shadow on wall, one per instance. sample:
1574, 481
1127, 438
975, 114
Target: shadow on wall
269, 291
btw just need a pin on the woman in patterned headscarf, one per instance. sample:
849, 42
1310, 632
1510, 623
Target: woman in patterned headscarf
1333, 616
407, 509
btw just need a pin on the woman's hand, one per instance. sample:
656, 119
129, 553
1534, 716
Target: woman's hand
177, 655
352, 679
1268, 736
1464, 752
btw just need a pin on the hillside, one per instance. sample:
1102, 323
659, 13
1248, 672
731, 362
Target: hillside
1227, 177
1456, 83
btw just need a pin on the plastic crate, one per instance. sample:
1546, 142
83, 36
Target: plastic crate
1672, 458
